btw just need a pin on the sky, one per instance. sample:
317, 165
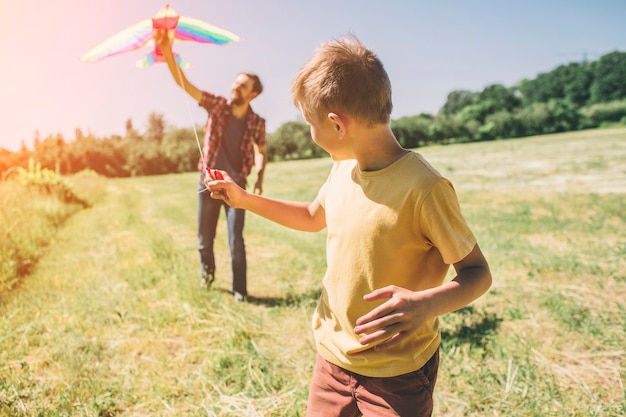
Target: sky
429, 48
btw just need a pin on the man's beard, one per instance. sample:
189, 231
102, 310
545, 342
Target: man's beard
236, 99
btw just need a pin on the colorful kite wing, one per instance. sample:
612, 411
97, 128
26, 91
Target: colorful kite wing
191, 29
134, 37
179, 27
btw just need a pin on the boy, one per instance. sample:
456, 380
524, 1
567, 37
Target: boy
394, 227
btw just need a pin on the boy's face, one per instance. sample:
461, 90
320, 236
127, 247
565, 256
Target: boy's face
326, 135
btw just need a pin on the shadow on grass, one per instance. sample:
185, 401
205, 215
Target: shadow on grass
308, 299
469, 326
465, 326
289, 300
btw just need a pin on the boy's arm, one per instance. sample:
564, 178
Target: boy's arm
405, 311
162, 39
307, 217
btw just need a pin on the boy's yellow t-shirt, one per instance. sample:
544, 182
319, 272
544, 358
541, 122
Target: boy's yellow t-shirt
401, 225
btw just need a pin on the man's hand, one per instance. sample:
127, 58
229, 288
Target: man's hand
402, 314
162, 39
258, 186
259, 161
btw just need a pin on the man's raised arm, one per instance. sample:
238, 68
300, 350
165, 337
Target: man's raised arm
162, 39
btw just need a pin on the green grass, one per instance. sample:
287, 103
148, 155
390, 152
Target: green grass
34, 204
111, 320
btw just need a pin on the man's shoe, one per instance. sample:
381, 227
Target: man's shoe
206, 280
239, 298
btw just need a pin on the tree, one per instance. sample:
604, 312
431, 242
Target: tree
503, 124
538, 90
155, 130
446, 129
497, 97
533, 119
49, 152
609, 78
491, 99
292, 140
457, 100
131, 132
577, 80
143, 158
180, 148
412, 131
78, 134
570, 82
36, 139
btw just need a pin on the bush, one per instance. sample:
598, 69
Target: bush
504, 124
412, 131
597, 114
34, 202
292, 140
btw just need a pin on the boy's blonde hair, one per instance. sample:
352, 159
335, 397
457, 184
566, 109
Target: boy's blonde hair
343, 76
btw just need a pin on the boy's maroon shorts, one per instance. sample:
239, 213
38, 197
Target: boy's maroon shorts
336, 392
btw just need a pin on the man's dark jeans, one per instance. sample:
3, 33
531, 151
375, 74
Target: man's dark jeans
208, 214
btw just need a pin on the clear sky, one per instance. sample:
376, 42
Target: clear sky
429, 48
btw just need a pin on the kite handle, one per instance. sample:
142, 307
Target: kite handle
218, 175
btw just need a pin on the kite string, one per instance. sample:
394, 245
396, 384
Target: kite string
195, 132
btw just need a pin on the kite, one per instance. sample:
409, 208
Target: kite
183, 28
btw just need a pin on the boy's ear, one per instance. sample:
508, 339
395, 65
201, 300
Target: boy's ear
339, 123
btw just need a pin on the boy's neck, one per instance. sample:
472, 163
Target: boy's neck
377, 148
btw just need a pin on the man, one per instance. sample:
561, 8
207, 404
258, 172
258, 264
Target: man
234, 141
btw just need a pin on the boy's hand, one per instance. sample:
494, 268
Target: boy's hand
405, 311
391, 322
222, 187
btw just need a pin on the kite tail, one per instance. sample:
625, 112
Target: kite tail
152, 58
181, 62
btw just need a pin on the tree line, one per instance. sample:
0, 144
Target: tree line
574, 96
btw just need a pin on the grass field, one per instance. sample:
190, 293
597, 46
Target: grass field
111, 320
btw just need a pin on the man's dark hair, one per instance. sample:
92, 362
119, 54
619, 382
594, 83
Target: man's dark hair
256, 82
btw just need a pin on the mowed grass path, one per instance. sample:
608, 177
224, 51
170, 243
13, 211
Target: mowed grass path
112, 321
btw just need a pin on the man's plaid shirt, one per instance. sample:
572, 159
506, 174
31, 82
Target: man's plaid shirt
218, 110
